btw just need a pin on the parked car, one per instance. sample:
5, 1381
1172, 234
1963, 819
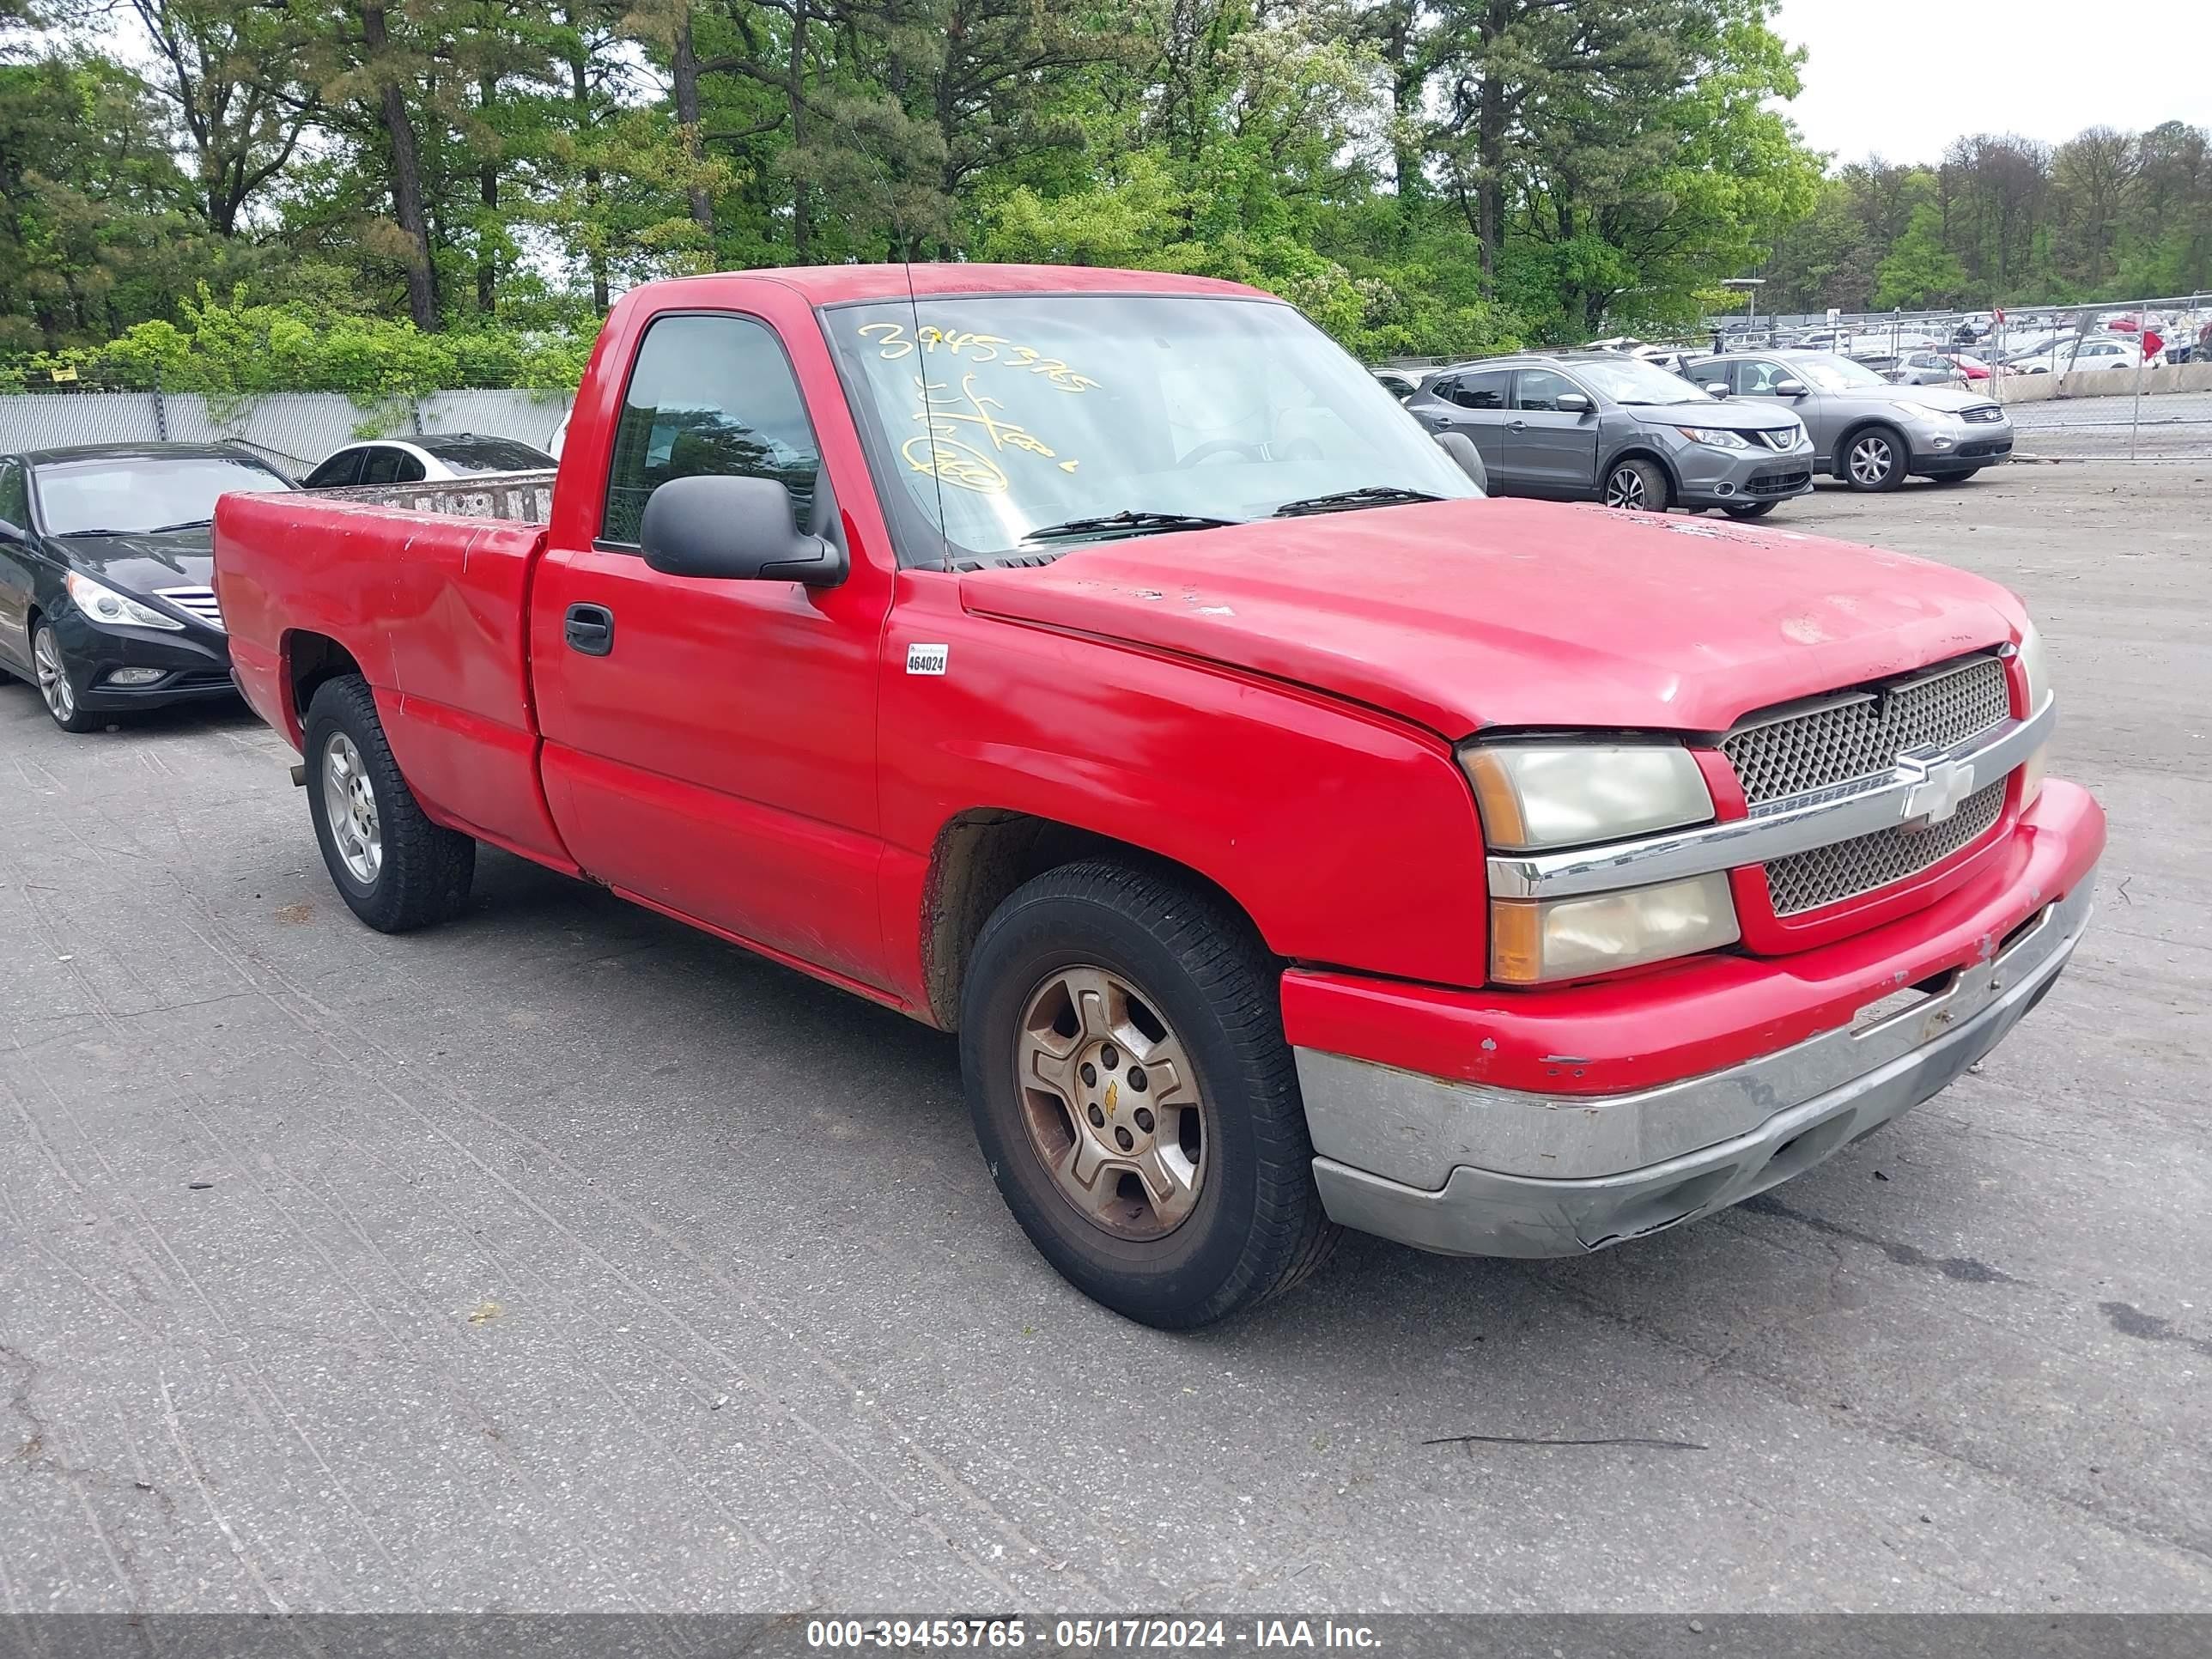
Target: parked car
1865, 431
106, 602
434, 456
1294, 837
1920, 368
2098, 352
1399, 383
1597, 426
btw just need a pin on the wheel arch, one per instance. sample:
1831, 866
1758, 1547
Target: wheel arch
1859, 428
981, 855
1636, 449
311, 660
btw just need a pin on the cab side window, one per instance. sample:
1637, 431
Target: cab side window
708, 395
382, 465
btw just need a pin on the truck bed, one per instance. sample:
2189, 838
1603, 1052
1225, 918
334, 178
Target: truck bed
430, 606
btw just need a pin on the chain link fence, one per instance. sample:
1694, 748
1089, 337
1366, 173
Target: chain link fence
2103, 382
294, 429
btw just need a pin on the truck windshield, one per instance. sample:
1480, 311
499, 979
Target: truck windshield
1011, 415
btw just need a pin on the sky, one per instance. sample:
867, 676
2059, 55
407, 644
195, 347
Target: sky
1902, 78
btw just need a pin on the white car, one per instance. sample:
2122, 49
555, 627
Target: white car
435, 456
2097, 352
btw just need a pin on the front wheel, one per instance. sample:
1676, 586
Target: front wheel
1122, 1048
57, 682
1952, 477
395, 869
1875, 459
1751, 510
1636, 485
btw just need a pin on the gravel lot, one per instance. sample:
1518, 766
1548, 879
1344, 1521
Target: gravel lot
563, 1258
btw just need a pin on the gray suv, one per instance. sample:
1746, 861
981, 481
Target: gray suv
1866, 431
1600, 426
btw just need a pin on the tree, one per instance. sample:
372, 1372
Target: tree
1920, 270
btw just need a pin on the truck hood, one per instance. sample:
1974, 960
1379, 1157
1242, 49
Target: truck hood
1463, 615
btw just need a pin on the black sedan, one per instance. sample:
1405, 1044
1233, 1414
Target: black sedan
107, 573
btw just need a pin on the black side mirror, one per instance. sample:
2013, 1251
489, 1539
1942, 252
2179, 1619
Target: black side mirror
1789, 388
734, 529
1572, 402
1462, 449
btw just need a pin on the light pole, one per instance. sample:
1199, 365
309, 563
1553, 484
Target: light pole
1750, 285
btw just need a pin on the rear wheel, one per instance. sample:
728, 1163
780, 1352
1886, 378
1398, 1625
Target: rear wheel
1636, 485
1874, 459
1751, 510
1123, 1051
395, 869
58, 682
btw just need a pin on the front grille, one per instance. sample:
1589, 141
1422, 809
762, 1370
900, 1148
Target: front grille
1777, 484
1982, 412
1778, 438
1806, 881
1859, 736
194, 601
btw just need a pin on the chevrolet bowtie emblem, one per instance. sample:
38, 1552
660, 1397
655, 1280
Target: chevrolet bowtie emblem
1938, 786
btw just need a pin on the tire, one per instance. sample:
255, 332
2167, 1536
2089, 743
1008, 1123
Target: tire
1636, 485
1872, 459
394, 868
57, 690
1952, 477
1751, 510
1242, 1221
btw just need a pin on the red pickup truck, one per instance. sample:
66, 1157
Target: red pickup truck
1103, 667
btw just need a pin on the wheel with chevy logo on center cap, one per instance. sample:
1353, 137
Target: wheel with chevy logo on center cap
1131, 1089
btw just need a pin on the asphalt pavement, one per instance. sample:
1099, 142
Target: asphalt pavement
563, 1258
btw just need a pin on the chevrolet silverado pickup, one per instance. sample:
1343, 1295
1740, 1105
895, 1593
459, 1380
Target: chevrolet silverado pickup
1103, 667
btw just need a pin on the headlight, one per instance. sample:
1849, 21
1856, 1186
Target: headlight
1536, 796
2035, 673
106, 605
1533, 940
1713, 437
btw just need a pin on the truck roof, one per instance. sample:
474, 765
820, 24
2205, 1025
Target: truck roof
829, 285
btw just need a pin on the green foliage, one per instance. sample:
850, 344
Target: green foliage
1920, 272
235, 348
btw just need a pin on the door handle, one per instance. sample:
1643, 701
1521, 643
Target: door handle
590, 629
1516, 426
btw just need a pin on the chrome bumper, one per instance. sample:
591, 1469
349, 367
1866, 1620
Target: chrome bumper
1468, 1171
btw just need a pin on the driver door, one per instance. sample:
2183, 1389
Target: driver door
710, 745
1551, 451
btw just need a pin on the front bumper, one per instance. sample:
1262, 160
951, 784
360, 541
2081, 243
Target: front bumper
1467, 1167
1961, 444
1726, 477
194, 664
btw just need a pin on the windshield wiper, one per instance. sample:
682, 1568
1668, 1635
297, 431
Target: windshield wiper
181, 524
1365, 495
1130, 521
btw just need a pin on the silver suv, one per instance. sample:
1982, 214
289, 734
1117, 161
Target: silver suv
1866, 431
1600, 426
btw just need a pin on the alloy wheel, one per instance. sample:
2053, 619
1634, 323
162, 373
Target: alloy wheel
349, 804
1625, 488
53, 677
1871, 459
1111, 1102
